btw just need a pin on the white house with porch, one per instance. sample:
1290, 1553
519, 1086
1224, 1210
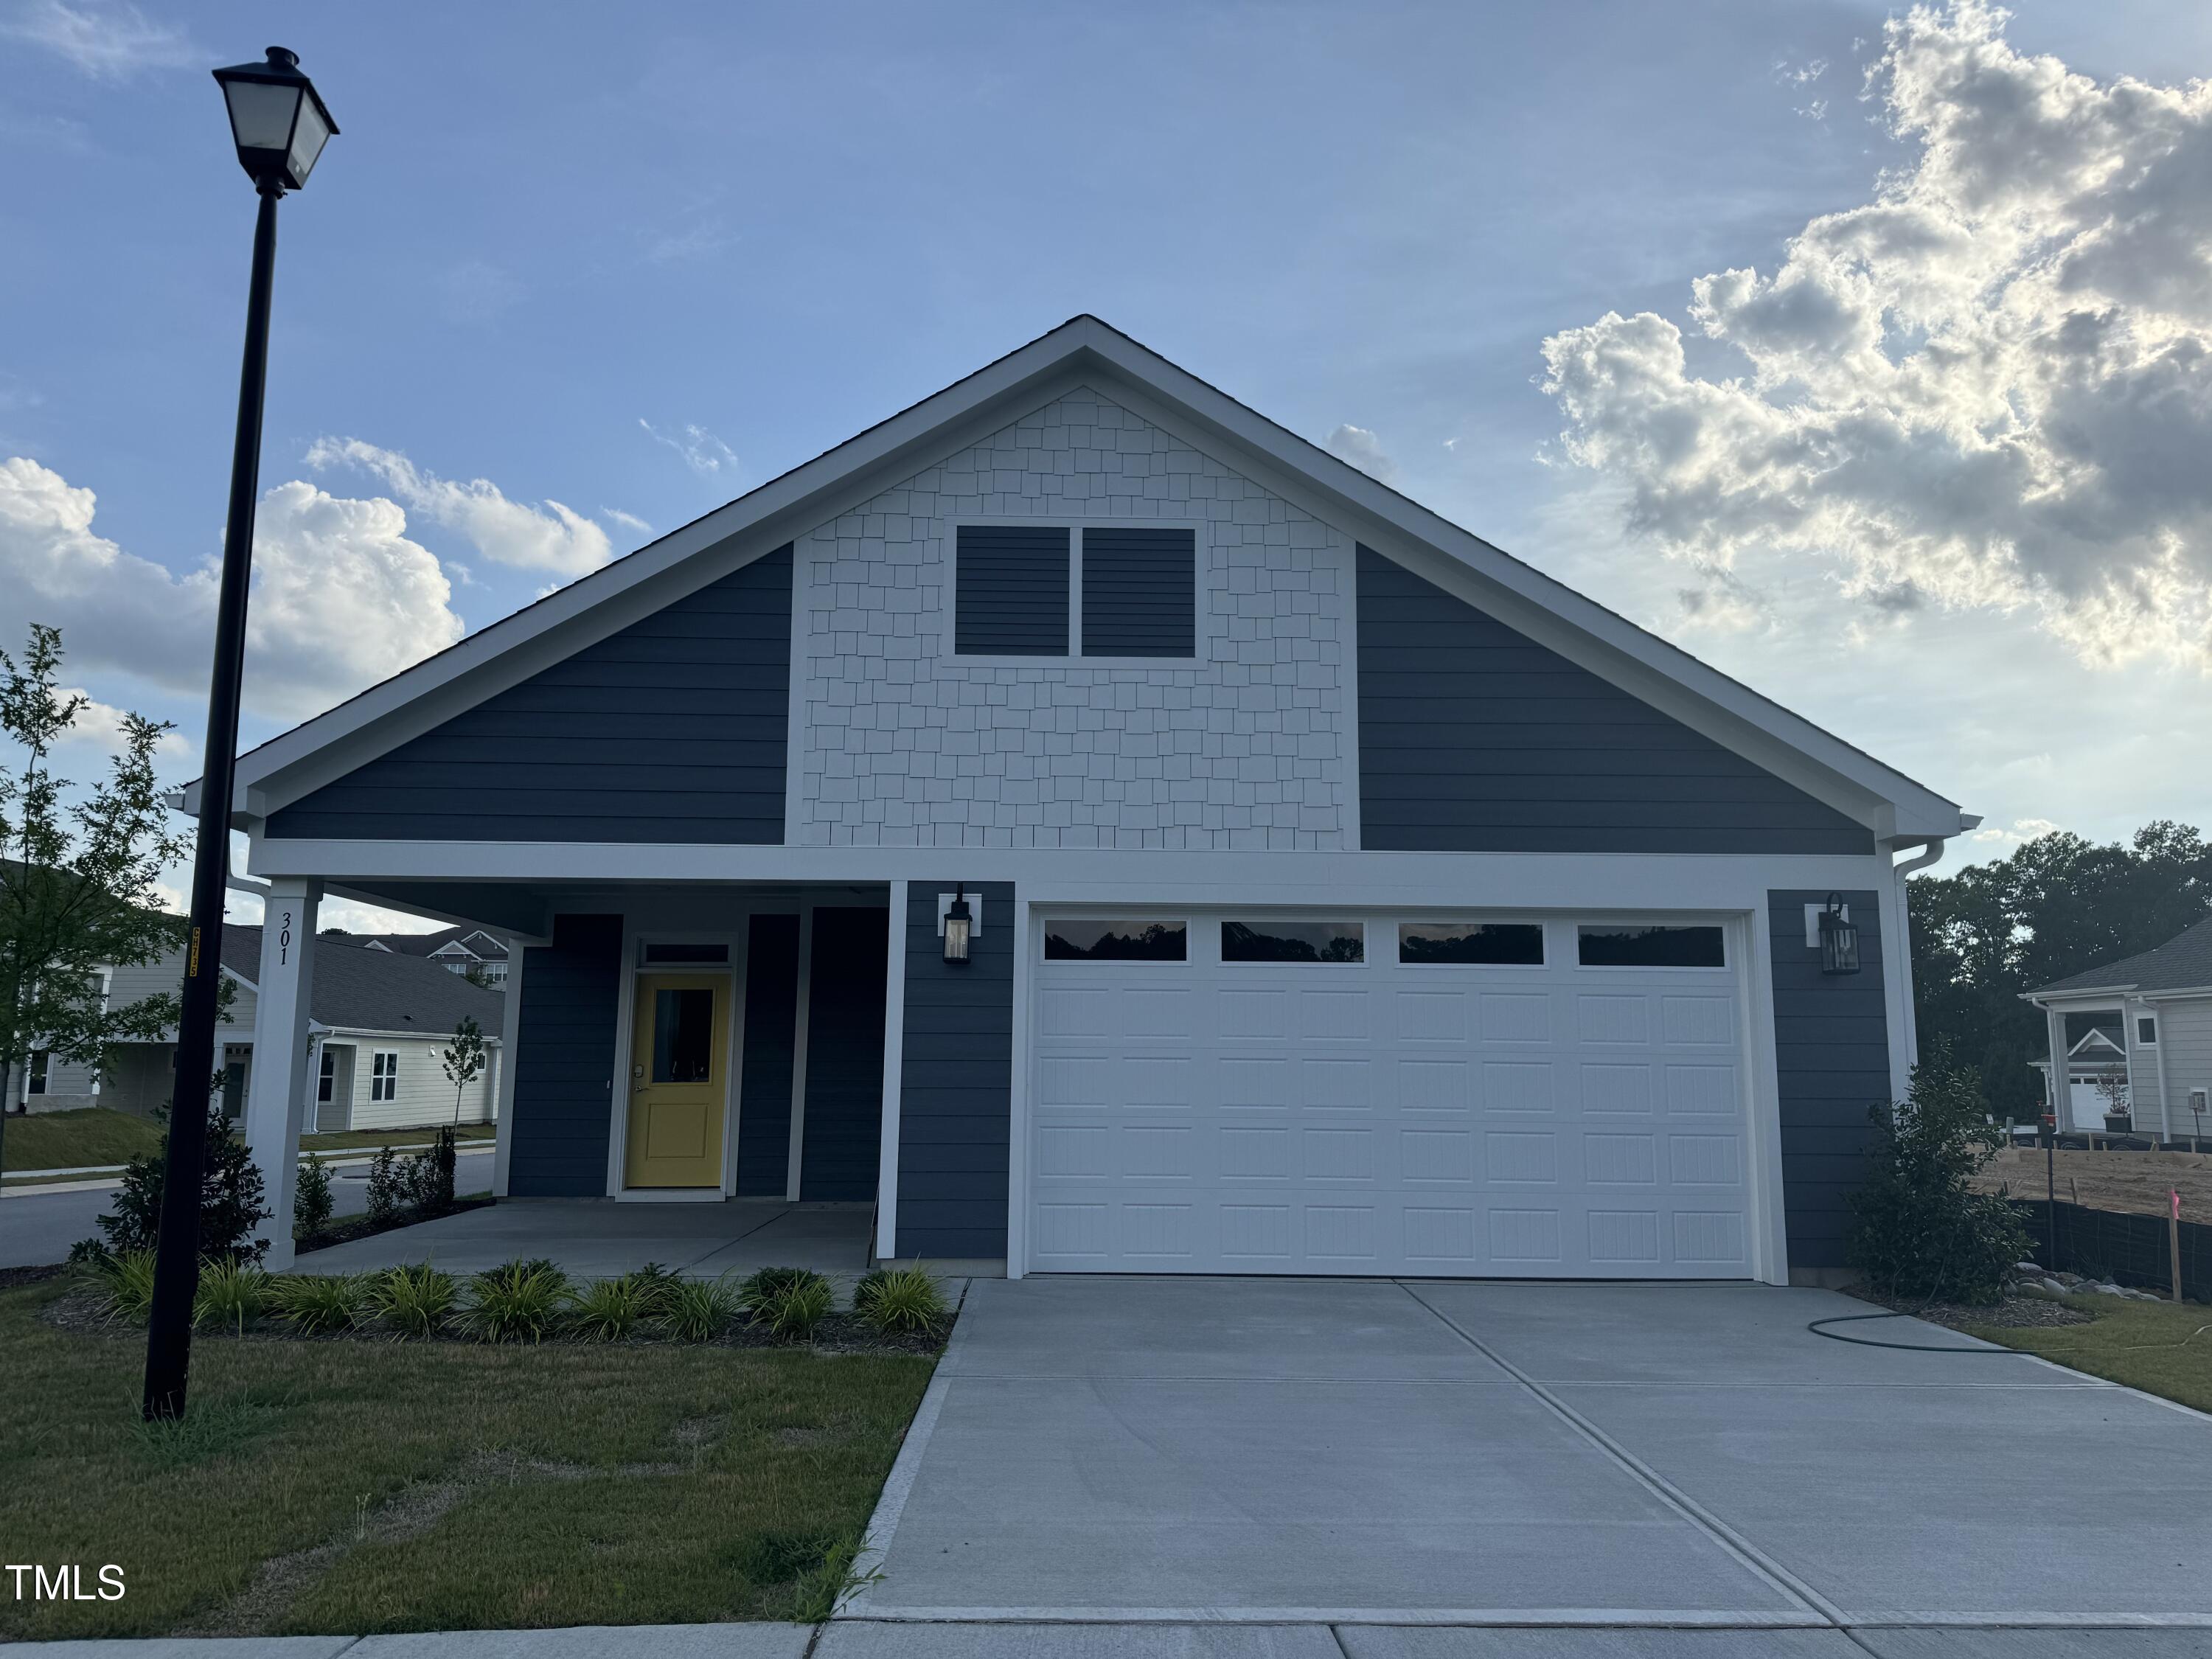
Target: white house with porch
2149, 1017
1341, 895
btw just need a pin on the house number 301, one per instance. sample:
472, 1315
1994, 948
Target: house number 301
284, 941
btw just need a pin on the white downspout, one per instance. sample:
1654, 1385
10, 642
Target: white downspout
1929, 854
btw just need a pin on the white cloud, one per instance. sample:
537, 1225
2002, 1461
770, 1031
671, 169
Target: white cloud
1989, 388
547, 536
1357, 444
2022, 831
630, 521
99, 726
341, 598
703, 451
106, 42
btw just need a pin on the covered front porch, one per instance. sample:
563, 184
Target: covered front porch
702, 1074
593, 1238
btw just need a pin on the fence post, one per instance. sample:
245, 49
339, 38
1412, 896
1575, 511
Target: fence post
2173, 1237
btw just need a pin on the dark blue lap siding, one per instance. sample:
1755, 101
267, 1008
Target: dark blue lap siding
564, 1061
672, 730
1473, 739
1832, 1055
955, 1091
771, 1015
845, 1054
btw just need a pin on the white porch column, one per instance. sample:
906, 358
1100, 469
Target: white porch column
279, 1082
510, 1042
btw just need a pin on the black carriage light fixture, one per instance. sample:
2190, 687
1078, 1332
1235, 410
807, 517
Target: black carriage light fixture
959, 922
1839, 939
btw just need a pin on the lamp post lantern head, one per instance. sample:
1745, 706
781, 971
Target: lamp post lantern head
277, 120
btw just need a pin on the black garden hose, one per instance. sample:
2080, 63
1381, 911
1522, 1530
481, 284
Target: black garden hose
1815, 1326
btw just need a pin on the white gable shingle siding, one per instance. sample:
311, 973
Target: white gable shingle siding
1249, 747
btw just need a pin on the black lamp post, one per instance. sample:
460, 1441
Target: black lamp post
280, 125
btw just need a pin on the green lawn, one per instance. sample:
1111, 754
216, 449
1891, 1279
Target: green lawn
94, 1136
348, 1139
365, 1486
2160, 1347
70, 1141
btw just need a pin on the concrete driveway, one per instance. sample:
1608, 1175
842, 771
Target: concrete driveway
1376, 1456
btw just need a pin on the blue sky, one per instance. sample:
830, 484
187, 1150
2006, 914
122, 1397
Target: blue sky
635, 260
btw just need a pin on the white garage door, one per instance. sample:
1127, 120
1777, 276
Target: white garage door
1243, 1093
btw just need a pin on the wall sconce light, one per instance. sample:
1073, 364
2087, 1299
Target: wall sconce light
1839, 939
958, 923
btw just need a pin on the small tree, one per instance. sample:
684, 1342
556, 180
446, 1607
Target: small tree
230, 1199
76, 881
1918, 1229
464, 1059
312, 1203
2111, 1083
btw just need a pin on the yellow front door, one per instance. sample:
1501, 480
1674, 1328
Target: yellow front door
679, 1062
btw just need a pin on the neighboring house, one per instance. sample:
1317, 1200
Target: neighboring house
457, 950
379, 1023
1347, 896
2149, 1017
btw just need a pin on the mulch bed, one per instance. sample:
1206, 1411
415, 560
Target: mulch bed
84, 1312
362, 1227
2014, 1313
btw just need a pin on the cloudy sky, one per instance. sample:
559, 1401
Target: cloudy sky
1864, 352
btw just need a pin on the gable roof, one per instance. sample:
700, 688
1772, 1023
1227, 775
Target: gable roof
1086, 351
2184, 963
357, 989
464, 942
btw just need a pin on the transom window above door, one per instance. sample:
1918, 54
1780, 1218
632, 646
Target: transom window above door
1114, 592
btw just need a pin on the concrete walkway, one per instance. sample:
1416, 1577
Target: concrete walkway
601, 1237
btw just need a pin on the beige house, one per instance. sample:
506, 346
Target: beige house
2142, 1025
379, 1022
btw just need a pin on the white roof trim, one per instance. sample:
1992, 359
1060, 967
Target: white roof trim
1894, 806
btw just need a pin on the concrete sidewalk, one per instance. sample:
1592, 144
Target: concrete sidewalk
862, 1639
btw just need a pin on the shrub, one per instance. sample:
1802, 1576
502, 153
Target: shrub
517, 1301
425, 1181
230, 1293
319, 1305
1918, 1231
698, 1310
127, 1282
658, 1283
414, 1301
900, 1299
388, 1192
313, 1205
606, 1310
230, 1198
761, 1288
795, 1304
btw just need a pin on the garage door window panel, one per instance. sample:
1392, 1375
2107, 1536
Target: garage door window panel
1475, 943
1335, 942
1627, 945
1116, 939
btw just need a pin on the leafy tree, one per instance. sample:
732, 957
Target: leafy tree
312, 1203
1917, 1230
463, 1059
76, 881
231, 1194
2057, 905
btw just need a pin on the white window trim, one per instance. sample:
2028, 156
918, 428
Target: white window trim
38, 1073
636, 967
383, 1078
1202, 629
1364, 924
1106, 914
2138, 1036
1543, 943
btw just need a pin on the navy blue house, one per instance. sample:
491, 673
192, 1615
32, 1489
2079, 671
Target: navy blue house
1347, 897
